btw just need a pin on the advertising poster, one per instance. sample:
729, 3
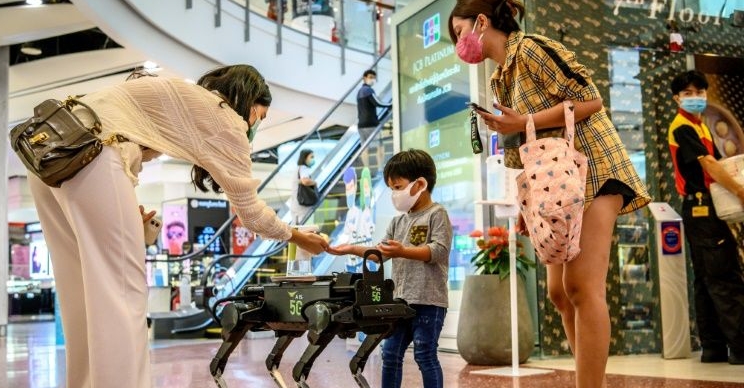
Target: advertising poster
175, 223
724, 114
319, 7
241, 237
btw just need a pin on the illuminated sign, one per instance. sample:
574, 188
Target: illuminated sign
661, 8
671, 238
432, 30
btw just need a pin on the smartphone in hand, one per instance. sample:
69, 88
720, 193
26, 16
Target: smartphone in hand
475, 106
152, 230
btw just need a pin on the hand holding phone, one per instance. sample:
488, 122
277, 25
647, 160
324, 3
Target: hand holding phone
152, 230
475, 106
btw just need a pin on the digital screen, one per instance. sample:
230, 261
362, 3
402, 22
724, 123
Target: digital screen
433, 90
40, 265
433, 82
204, 234
175, 227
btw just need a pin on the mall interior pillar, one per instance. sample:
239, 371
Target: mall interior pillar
4, 149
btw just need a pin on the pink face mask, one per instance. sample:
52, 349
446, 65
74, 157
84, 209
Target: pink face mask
470, 48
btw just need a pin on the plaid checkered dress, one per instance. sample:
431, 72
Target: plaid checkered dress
540, 73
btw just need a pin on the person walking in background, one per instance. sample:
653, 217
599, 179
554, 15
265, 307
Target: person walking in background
367, 104
719, 282
305, 161
419, 243
94, 226
535, 75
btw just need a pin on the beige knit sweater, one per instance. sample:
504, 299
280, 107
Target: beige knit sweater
186, 121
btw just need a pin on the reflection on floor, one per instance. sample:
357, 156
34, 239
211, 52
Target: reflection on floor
34, 361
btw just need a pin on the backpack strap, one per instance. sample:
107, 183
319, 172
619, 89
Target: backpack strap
562, 65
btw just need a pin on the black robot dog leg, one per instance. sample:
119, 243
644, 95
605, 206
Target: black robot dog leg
275, 357
318, 342
359, 360
233, 331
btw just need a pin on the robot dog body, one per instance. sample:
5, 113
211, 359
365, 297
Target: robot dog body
326, 306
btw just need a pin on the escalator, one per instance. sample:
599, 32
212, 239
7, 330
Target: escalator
192, 322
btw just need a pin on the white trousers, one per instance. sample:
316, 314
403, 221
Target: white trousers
94, 231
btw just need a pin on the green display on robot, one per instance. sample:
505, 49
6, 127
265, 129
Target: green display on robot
295, 303
376, 294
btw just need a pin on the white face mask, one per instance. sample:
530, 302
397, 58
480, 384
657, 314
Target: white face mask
403, 200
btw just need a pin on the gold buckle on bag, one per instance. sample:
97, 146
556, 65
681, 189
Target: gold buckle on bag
39, 138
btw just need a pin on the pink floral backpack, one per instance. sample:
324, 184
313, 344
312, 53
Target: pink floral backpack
551, 191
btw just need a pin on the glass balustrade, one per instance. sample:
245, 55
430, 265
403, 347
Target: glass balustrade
352, 24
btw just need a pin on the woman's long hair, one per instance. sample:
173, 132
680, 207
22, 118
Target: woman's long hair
302, 159
503, 14
241, 87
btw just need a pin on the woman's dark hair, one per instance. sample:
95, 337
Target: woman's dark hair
411, 165
502, 14
241, 87
302, 159
692, 77
140, 72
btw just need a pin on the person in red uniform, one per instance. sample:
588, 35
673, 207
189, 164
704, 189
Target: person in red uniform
719, 283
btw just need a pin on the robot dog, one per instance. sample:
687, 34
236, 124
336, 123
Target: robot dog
324, 306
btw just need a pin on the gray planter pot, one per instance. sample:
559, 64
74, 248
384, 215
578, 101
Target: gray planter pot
484, 327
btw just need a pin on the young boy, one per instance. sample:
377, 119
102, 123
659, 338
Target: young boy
418, 241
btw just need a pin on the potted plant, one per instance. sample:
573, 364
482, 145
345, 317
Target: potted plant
493, 256
484, 338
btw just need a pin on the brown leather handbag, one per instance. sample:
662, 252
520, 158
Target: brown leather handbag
54, 144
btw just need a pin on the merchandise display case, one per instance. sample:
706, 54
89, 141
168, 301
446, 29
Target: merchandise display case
30, 297
637, 312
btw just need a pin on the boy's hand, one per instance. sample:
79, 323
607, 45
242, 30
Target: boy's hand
343, 249
391, 248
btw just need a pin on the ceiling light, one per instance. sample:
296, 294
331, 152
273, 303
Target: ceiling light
30, 49
33, 2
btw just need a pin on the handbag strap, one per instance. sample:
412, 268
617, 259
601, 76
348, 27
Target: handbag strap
568, 114
71, 101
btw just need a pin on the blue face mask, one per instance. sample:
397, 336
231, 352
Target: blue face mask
693, 105
311, 163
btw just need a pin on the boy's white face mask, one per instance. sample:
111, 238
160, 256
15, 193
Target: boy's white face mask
403, 200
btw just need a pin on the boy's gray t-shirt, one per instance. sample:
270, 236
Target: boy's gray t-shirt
419, 282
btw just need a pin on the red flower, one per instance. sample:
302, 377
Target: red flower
476, 234
497, 231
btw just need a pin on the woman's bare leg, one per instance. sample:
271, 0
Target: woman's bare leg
557, 295
584, 281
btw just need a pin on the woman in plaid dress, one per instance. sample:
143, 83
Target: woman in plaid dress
534, 75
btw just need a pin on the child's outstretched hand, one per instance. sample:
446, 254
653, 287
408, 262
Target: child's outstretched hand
343, 249
390, 248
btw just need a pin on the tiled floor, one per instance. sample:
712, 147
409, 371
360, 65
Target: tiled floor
34, 361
